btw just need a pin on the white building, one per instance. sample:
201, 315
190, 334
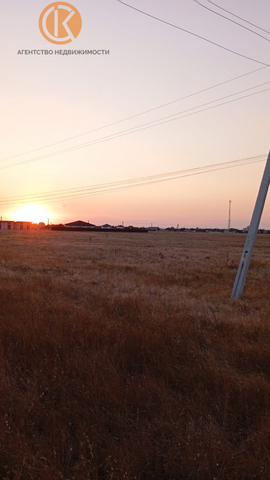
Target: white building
6, 225
10, 225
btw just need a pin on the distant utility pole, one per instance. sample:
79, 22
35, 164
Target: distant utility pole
229, 221
252, 233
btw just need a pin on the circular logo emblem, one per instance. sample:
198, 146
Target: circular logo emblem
60, 23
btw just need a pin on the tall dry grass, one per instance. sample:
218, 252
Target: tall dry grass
123, 357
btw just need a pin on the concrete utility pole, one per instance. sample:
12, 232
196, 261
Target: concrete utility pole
252, 233
229, 220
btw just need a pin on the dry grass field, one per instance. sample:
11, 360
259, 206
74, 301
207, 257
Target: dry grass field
123, 357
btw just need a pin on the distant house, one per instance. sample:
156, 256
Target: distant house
22, 225
79, 224
6, 225
106, 225
10, 225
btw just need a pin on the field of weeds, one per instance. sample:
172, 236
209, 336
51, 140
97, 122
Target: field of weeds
123, 357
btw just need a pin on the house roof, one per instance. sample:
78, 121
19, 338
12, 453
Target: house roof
79, 223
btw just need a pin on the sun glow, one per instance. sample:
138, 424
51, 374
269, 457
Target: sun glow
31, 212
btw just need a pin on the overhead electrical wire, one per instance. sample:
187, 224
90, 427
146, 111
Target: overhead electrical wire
48, 193
234, 52
99, 189
138, 114
240, 18
232, 21
53, 192
145, 126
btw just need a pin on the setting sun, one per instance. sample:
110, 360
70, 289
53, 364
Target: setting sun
31, 212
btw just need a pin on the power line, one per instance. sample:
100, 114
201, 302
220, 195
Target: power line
78, 189
230, 20
112, 188
240, 18
125, 187
130, 183
234, 52
140, 127
137, 115
48, 193
145, 126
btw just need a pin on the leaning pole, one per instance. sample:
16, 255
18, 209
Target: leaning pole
252, 233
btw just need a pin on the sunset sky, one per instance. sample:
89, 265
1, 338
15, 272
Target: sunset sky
46, 99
